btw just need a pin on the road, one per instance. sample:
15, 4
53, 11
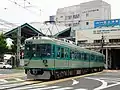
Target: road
106, 80
10, 71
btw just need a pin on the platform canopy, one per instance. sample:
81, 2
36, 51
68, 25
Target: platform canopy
27, 31
63, 34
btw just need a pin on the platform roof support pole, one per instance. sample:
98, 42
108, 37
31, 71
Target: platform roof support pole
18, 45
106, 59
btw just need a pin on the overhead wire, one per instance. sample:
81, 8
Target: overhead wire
24, 7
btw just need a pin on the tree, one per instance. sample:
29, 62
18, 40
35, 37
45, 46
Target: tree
3, 45
14, 46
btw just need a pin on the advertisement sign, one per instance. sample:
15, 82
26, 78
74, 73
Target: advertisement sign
107, 23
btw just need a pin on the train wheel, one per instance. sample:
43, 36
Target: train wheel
52, 77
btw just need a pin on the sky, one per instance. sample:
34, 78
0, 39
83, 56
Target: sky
20, 12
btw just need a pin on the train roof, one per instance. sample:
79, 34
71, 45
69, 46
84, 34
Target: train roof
62, 42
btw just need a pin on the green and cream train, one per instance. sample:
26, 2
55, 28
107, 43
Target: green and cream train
50, 58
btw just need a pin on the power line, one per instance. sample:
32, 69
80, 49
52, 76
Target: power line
25, 7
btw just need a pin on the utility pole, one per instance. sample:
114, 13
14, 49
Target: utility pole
102, 43
18, 45
106, 55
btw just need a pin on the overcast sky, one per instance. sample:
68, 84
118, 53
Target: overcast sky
40, 10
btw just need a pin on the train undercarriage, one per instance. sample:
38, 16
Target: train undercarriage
57, 74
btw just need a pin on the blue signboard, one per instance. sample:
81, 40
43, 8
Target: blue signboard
106, 23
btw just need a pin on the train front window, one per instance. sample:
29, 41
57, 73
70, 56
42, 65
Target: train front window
44, 50
38, 50
29, 50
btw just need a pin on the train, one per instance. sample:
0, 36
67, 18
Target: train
51, 58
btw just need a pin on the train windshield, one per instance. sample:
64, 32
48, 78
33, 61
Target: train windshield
37, 50
43, 50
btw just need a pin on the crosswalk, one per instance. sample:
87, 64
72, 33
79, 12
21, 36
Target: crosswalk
20, 84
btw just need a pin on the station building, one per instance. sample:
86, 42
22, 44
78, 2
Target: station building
84, 14
104, 37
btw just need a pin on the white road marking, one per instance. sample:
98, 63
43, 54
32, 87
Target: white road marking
81, 89
65, 88
2, 74
18, 79
110, 86
11, 85
75, 82
3, 80
45, 88
28, 87
111, 79
104, 84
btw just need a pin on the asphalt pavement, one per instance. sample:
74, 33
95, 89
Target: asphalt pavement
11, 71
106, 80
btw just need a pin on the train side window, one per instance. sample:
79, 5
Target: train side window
85, 56
88, 57
101, 58
75, 55
82, 56
92, 57
79, 56
96, 58
58, 52
62, 52
72, 55
66, 53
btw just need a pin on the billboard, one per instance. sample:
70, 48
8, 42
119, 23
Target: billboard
107, 23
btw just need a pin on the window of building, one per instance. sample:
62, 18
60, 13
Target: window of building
82, 41
114, 40
75, 24
97, 41
76, 16
97, 9
87, 23
56, 19
69, 24
61, 16
69, 17
87, 14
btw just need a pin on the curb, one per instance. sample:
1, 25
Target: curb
111, 71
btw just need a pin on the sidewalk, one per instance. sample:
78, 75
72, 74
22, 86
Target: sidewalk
111, 70
12, 75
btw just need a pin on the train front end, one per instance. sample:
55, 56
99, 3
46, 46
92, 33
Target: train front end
38, 63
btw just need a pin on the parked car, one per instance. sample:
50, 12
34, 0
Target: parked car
5, 65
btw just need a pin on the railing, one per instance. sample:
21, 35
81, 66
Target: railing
99, 45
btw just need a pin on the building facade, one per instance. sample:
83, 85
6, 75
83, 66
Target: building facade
105, 39
83, 14
52, 18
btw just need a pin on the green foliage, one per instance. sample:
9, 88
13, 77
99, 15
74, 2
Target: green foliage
3, 44
14, 46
